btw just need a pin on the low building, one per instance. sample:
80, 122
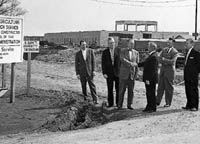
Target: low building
99, 38
34, 38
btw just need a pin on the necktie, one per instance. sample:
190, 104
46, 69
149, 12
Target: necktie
112, 55
168, 50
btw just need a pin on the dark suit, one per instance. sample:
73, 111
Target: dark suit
150, 74
111, 69
167, 75
85, 69
127, 75
191, 72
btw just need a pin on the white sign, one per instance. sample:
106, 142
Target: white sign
31, 46
11, 39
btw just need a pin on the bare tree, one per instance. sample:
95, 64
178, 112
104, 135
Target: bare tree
11, 8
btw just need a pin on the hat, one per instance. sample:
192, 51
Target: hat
172, 39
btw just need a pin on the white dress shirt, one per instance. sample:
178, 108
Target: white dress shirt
130, 54
84, 53
112, 54
188, 53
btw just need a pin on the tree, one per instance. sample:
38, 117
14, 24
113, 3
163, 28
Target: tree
11, 8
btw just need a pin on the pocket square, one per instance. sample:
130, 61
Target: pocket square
191, 57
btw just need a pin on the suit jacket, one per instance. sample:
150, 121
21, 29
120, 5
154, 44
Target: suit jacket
126, 68
168, 64
85, 67
109, 68
150, 71
192, 67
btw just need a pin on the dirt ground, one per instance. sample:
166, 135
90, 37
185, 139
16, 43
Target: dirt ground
20, 121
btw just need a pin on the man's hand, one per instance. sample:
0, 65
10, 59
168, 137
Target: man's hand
105, 76
134, 64
78, 76
147, 82
93, 73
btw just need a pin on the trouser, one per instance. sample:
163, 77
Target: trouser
122, 88
192, 94
165, 84
92, 87
110, 82
151, 96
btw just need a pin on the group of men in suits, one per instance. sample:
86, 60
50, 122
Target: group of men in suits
120, 68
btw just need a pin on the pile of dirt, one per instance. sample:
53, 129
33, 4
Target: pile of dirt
58, 56
75, 112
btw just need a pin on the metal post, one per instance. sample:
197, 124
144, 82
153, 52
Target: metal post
115, 27
196, 11
12, 86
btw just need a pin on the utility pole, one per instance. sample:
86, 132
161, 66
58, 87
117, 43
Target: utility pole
196, 11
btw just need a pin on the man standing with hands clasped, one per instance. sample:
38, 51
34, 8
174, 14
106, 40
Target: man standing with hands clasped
191, 73
85, 66
168, 59
150, 77
110, 66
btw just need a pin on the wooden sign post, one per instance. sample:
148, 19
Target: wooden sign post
30, 47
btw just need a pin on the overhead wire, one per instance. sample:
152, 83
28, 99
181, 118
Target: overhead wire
144, 4
160, 1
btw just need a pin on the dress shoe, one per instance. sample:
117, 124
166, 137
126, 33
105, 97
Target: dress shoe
145, 110
167, 105
185, 108
129, 107
119, 108
95, 102
109, 106
150, 111
193, 109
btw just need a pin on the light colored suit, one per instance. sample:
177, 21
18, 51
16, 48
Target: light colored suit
127, 74
167, 75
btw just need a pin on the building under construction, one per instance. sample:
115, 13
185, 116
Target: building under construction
140, 30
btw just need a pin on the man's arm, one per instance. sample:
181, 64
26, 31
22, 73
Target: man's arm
125, 61
77, 64
171, 61
103, 62
198, 61
136, 65
93, 61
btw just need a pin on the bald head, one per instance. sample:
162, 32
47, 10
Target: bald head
152, 46
111, 43
189, 43
131, 44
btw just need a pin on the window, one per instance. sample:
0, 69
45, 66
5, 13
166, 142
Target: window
147, 36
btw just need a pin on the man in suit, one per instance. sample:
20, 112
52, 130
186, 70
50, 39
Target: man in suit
110, 70
150, 76
85, 70
191, 72
128, 72
168, 59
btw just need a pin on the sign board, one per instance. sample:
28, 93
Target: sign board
31, 46
11, 39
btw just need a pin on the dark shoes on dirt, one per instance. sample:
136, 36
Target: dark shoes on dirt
191, 109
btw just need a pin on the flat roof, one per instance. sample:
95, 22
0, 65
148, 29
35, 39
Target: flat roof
134, 22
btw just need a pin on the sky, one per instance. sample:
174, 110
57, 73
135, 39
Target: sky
45, 16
